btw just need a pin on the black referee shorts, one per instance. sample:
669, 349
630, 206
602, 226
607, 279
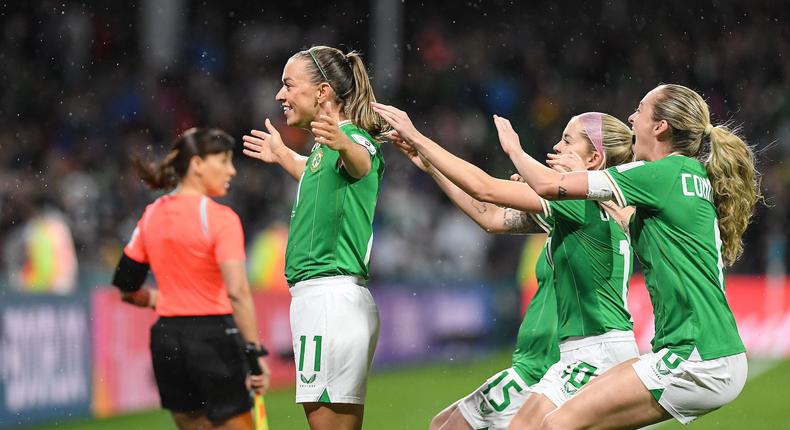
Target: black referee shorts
199, 365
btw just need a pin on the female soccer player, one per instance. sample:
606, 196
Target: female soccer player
589, 251
334, 321
195, 248
692, 205
495, 402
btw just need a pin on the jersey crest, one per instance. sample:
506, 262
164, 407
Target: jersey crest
315, 162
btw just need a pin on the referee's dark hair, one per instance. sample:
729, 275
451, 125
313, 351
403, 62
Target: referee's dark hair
196, 141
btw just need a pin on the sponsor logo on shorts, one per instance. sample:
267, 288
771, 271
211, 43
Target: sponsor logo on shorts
309, 380
485, 409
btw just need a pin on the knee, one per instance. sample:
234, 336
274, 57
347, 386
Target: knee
554, 421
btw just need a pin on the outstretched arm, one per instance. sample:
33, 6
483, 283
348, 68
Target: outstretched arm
491, 218
269, 148
471, 179
549, 184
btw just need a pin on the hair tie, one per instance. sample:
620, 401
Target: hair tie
708, 129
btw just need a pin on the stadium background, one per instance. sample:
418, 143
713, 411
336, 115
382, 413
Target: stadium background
85, 85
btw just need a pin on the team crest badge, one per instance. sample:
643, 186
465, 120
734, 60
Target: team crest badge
315, 161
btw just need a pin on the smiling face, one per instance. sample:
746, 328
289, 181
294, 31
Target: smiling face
215, 172
573, 140
646, 129
299, 96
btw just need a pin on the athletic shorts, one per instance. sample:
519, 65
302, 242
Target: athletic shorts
199, 365
581, 360
495, 403
688, 389
335, 327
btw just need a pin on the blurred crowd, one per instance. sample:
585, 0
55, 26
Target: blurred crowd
84, 87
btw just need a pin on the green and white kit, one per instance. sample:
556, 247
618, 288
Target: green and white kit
334, 320
494, 404
698, 361
592, 262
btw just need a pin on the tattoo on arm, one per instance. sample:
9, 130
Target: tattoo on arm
479, 206
519, 222
562, 192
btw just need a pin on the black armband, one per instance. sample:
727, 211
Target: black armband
129, 275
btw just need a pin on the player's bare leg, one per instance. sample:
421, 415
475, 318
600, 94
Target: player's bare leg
531, 414
239, 422
449, 419
334, 416
199, 421
618, 401
191, 420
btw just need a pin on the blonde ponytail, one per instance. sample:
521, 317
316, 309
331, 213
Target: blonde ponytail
617, 142
730, 162
357, 103
736, 187
347, 76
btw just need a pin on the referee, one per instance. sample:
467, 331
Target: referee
195, 248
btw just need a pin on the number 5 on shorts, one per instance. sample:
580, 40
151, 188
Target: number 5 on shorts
499, 407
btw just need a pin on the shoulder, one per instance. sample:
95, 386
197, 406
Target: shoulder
359, 135
220, 212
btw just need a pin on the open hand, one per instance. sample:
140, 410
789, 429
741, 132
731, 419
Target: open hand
326, 130
567, 162
262, 145
398, 119
508, 138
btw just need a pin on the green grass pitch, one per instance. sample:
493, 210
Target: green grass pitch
407, 399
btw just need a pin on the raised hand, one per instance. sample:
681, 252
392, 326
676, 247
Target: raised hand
326, 130
262, 145
508, 138
567, 162
398, 119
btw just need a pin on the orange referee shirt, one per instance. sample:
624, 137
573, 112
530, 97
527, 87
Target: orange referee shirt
184, 238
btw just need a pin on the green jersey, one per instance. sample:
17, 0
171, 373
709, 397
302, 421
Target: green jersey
331, 229
592, 263
676, 236
537, 346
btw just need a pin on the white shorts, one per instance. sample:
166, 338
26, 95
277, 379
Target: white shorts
496, 402
688, 389
581, 360
335, 326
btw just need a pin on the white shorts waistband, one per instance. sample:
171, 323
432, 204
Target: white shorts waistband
301, 288
583, 341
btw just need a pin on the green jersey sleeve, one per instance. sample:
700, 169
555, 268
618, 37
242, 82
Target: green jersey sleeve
567, 211
641, 183
360, 137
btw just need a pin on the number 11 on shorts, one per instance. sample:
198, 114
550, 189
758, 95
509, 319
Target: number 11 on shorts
317, 340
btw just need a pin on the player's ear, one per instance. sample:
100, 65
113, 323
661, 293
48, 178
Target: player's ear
325, 93
196, 165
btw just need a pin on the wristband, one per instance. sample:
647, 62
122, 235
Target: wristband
252, 349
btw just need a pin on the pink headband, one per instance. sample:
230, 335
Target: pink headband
593, 124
